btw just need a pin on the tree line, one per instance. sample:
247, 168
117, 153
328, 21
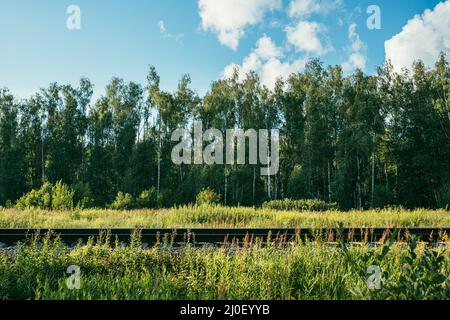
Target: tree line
360, 140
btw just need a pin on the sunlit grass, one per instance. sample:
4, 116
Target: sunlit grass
220, 217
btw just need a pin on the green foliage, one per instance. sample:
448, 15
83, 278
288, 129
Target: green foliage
57, 197
383, 198
12, 151
363, 141
41, 198
166, 199
123, 201
445, 196
147, 199
207, 197
425, 275
83, 196
62, 197
9, 204
299, 205
295, 183
37, 270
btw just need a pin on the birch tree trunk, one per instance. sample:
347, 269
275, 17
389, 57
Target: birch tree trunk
158, 184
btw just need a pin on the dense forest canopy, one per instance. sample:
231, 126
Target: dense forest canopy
361, 141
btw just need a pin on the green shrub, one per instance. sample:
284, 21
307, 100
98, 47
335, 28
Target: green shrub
9, 204
85, 203
300, 205
57, 197
424, 276
123, 201
207, 196
83, 196
62, 197
41, 198
166, 199
147, 199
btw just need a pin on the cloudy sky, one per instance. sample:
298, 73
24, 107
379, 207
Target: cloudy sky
208, 38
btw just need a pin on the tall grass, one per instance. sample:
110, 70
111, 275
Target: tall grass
312, 270
220, 217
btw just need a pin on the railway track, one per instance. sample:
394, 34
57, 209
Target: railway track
9, 237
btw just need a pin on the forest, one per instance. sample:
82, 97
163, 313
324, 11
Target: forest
362, 141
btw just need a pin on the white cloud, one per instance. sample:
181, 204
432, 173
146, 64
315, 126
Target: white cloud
163, 31
267, 49
305, 8
423, 37
355, 42
229, 18
356, 58
265, 60
309, 37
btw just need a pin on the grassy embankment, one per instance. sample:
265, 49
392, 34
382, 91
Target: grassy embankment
310, 271
220, 217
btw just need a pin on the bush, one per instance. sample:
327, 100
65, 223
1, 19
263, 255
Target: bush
41, 198
207, 196
300, 205
147, 199
123, 201
9, 204
424, 276
166, 199
57, 197
83, 196
62, 197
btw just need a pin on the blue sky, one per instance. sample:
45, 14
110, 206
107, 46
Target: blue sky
121, 38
